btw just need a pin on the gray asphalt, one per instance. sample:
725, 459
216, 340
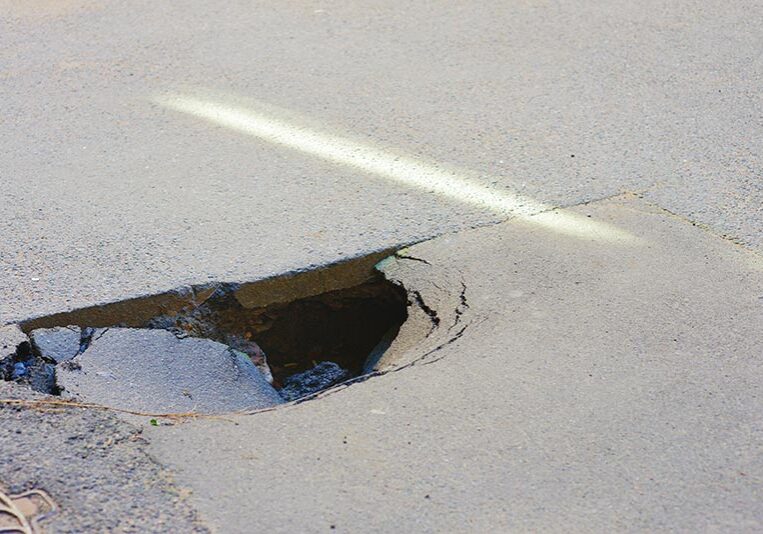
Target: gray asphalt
94, 466
153, 371
107, 194
147, 146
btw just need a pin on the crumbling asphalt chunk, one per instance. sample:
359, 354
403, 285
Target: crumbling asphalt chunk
13, 342
153, 371
19, 364
57, 344
253, 352
40, 375
320, 377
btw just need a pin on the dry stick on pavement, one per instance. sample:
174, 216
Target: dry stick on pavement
46, 404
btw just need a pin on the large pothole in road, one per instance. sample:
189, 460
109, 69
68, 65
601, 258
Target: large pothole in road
197, 350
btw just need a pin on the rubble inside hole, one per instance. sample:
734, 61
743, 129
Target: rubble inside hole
19, 363
322, 376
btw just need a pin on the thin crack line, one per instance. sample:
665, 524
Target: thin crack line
400, 256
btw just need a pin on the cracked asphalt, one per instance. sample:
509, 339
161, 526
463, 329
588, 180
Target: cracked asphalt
605, 374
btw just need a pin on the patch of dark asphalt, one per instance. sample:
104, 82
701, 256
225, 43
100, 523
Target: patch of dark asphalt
93, 465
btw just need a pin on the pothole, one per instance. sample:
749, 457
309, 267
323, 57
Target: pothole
302, 333
341, 326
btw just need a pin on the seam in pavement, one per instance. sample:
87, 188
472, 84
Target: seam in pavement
403, 245
704, 227
549, 209
197, 290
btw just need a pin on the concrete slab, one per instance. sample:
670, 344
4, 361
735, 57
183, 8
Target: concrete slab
153, 371
597, 386
58, 344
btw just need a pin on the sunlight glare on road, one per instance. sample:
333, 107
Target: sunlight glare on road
413, 172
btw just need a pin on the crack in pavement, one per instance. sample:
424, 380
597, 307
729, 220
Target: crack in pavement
432, 314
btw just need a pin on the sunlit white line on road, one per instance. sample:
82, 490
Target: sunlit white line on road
403, 169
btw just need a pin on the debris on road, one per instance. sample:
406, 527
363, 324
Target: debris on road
20, 364
253, 351
41, 376
20, 513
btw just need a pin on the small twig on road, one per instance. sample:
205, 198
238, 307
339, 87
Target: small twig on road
49, 404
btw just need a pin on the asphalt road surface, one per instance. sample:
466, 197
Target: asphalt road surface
148, 146
108, 193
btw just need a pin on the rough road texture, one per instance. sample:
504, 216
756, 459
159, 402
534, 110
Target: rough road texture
107, 195
596, 386
93, 465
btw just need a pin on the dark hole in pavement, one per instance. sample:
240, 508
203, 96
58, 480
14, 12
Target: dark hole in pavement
308, 330
341, 326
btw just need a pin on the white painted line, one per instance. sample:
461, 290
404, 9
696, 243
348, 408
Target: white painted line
403, 169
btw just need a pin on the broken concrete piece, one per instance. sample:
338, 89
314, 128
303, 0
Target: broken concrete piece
57, 344
19, 364
296, 286
320, 377
32, 371
153, 371
14, 345
12, 340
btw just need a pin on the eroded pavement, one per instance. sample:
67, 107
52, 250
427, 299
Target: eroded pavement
541, 381
94, 467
